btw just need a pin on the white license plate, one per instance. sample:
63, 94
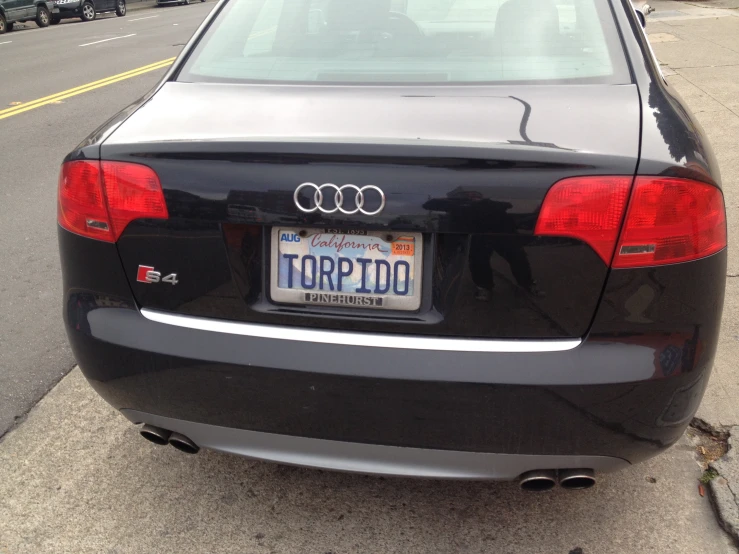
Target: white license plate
339, 267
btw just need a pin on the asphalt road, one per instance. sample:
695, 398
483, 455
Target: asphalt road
35, 63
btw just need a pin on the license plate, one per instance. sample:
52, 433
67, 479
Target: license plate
340, 267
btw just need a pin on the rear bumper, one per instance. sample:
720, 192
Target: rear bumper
370, 458
70, 9
601, 399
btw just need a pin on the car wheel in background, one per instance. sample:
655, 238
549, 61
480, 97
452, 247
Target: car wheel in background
88, 12
120, 8
43, 17
3, 25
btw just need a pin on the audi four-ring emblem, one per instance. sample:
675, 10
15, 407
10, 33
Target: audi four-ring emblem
359, 198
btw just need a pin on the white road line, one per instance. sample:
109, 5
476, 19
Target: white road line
142, 18
6, 42
107, 39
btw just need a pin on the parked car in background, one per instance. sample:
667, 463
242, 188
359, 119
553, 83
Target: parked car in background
87, 10
20, 11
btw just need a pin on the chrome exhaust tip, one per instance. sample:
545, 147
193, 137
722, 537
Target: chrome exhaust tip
539, 480
576, 479
183, 444
157, 435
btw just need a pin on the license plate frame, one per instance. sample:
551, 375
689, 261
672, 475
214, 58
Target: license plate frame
327, 298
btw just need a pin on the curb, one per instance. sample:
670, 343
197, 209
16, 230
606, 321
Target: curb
725, 487
140, 5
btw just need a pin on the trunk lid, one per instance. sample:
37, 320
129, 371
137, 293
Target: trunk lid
464, 170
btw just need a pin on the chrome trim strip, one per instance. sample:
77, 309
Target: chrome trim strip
374, 340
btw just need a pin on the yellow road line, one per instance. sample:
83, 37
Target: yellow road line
45, 98
26, 106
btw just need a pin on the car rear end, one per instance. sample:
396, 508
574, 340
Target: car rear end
402, 241
68, 8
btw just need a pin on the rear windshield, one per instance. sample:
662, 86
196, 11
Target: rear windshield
409, 41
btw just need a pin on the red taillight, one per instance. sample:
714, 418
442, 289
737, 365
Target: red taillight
586, 208
81, 207
671, 220
99, 199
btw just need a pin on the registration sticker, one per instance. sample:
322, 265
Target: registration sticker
403, 246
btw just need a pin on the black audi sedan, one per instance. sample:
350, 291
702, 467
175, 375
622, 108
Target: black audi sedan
439, 238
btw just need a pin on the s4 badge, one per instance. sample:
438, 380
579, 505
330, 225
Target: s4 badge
147, 274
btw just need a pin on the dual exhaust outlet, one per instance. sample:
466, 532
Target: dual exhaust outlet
160, 436
545, 479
